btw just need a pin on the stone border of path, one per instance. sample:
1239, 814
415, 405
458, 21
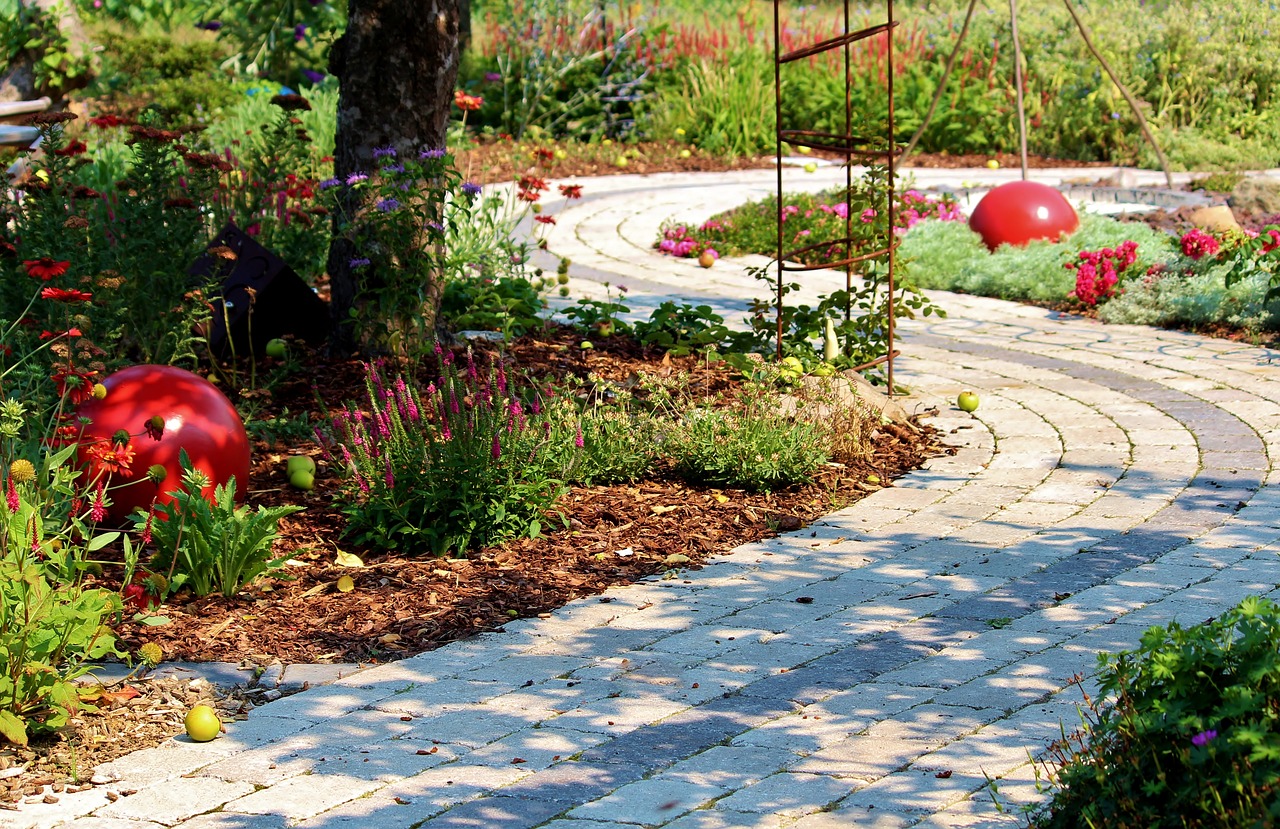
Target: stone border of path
1114, 477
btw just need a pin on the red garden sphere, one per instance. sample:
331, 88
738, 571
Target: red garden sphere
196, 417
1017, 212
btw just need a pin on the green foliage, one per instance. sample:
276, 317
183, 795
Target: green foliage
949, 256
751, 445
467, 463
1186, 732
50, 625
600, 316
725, 108
48, 634
620, 439
277, 39
127, 249
510, 304
682, 329
212, 546
29, 32
564, 68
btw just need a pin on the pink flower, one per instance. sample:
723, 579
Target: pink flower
1197, 244
496, 450
99, 511
12, 496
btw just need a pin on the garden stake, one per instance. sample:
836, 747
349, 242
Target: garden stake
1017, 85
1124, 90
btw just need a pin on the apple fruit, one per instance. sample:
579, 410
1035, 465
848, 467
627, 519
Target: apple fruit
276, 348
303, 462
202, 724
706, 259
685, 153
811, 167
621, 161
967, 401
302, 479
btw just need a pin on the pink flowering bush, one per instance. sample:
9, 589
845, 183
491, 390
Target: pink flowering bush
1098, 272
471, 460
1198, 244
807, 219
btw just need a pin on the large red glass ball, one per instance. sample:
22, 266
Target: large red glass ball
1017, 212
196, 417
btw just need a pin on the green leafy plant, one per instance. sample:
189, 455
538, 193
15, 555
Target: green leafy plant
751, 445
212, 546
600, 316
471, 461
682, 329
1186, 732
510, 304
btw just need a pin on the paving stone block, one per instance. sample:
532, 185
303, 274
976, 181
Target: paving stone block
727, 819
498, 810
790, 794
303, 796
171, 801
651, 802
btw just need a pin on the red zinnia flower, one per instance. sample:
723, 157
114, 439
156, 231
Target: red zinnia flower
528, 182
571, 191
467, 103
110, 458
528, 195
545, 219
66, 295
45, 268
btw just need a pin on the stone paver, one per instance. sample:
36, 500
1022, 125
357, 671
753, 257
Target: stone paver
1114, 477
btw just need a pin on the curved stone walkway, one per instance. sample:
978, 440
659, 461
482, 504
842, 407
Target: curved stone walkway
876, 669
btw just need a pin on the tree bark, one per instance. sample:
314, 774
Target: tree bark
397, 65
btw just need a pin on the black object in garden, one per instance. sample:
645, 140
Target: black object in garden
261, 296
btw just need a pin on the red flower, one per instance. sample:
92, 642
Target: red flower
66, 295
545, 219
45, 268
544, 154
110, 458
107, 121
74, 148
528, 195
467, 103
528, 182
571, 191
77, 386
1274, 236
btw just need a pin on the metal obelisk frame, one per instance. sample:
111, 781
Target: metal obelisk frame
853, 148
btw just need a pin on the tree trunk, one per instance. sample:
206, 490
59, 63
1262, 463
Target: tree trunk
397, 64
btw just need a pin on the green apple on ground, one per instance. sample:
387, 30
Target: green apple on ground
277, 348
300, 462
302, 479
202, 724
967, 401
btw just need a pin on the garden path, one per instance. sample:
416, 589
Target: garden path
875, 669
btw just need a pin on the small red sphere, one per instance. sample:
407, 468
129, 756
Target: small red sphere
1017, 212
191, 414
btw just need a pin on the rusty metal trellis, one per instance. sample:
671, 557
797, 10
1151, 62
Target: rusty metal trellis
853, 148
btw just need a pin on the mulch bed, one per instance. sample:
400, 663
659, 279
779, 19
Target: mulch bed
401, 606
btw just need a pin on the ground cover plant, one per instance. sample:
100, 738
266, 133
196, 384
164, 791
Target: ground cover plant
1183, 732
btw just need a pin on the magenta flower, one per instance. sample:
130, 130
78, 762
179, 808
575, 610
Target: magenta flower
1204, 738
1197, 244
12, 496
496, 449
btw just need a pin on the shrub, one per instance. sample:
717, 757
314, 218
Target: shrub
751, 445
1186, 732
212, 546
471, 462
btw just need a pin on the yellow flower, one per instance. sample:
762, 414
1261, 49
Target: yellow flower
22, 471
99, 391
151, 654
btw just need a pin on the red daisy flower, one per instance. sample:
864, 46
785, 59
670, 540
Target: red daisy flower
45, 268
65, 295
571, 191
528, 195
533, 183
545, 219
74, 148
